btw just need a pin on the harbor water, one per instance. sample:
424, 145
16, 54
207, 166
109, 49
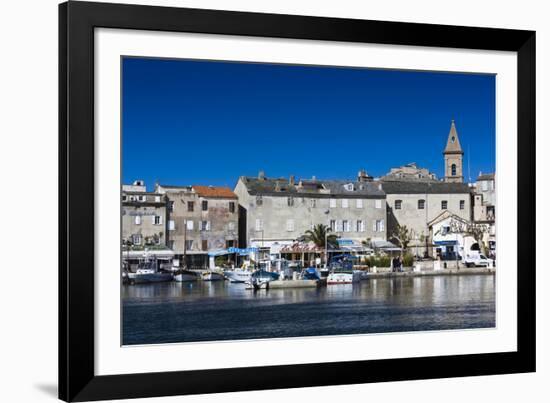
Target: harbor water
207, 311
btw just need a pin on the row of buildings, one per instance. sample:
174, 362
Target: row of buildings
273, 213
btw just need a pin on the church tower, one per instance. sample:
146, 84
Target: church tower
453, 157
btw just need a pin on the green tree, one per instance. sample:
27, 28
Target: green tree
403, 236
317, 236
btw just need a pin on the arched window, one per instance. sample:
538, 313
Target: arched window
453, 170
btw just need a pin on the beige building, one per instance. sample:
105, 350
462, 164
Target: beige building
200, 219
277, 211
143, 217
415, 200
409, 171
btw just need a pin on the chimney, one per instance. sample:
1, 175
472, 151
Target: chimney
291, 180
362, 176
261, 175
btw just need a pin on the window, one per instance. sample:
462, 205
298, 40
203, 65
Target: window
171, 244
290, 201
359, 203
378, 203
259, 224
171, 206
360, 226
189, 244
338, 226
137, 220
345, 203
142, 198
290, 225
205, 225
485, 185
190, 206
189, 225
398, 204
136, 239
345, 225
230, 243
333, 225
124, 197
332, 203
421, 204
231, 207
378, 226
231, 226
313, 203
172, 225
444, 205
204, 244
157, 199
157, 220
453, 170
259, 200
204, 205
349, 187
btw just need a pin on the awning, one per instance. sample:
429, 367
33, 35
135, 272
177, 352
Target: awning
141, 254
385, 245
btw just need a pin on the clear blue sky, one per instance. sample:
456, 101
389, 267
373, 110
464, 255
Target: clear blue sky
203, 122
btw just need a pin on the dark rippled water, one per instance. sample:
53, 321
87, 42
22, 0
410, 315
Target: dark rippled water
202, 311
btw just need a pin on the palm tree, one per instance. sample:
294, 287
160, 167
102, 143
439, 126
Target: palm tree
317, 236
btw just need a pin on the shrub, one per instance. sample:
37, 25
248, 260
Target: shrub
408, 260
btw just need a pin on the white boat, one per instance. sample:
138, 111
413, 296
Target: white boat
186, 275
212, 276
343, 276
238, 275
148, 276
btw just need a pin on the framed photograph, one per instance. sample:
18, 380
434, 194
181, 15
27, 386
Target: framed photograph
257, 201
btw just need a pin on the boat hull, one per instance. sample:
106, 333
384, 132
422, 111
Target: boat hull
183, 277
137, 278
343, 278
212, 276
238, 276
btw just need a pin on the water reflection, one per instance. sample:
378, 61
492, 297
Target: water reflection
193, 311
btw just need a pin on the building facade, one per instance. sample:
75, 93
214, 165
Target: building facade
143, 217
201, 219
415, 200
280, 210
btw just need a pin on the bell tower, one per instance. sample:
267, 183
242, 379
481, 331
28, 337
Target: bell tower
453, 157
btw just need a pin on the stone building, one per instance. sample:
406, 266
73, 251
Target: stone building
485, 198
409, 171
143, 216
414, 201
200, 219
277, 211
414, 204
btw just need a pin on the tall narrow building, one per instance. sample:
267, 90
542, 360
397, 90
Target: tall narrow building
453, 157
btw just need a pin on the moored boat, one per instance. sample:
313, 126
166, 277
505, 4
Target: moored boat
186, 275
341, 271
238, 275
142, 276
212, 276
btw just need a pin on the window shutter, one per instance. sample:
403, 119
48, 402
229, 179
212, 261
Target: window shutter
374, 225
208, 225
160, 220
137, 220
381, 225
153, 219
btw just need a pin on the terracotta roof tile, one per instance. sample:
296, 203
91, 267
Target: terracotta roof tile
214, 191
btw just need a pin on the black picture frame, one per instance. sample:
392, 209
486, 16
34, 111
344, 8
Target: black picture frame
77, 21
